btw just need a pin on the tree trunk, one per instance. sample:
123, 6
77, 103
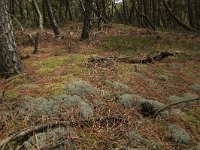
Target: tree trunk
9, 56
187, 27
12, 7
145, 17
52, 19
125, 11
86, 22
44, 12
68, 10
21, 9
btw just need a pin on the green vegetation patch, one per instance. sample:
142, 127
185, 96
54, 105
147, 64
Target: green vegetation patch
127, 45
50, 64
12, 93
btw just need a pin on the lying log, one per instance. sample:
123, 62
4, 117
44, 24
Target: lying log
131, 60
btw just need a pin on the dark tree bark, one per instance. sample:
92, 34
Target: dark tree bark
68, 10
9, 57
86, 23
125, 11
52, 19
36, 43
146, 18
44, 12
12, 7
121, 18
21, 9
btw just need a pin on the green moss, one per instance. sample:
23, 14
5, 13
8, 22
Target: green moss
77, 70
11, 94
64, 79
53, 89
50, 64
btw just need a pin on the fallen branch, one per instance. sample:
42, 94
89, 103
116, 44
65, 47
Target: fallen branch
36, 129
173, 104
130, 60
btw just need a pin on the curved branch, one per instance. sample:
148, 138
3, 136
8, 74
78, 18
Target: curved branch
36, 129
173, 104
187, 27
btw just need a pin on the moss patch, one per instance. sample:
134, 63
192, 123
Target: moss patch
50, 64
10, 94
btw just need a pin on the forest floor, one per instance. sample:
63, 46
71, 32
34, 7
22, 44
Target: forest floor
60, 75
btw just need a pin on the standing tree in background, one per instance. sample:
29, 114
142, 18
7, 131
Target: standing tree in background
87, 8
52, 19
9, 57
39, 15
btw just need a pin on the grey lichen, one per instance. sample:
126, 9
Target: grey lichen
177, 134
132, 100
195, 87
52, 139
81, 88
58, 104
117, 86
136, 140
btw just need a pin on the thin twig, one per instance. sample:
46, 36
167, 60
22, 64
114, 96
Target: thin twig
173, 104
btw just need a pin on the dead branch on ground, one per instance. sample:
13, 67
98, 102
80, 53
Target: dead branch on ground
109, 121
131, 60
174, 104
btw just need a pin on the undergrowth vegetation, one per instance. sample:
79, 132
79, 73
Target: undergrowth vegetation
47, 73
137, 45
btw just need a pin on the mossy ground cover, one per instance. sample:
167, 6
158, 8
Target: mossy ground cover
47, 73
